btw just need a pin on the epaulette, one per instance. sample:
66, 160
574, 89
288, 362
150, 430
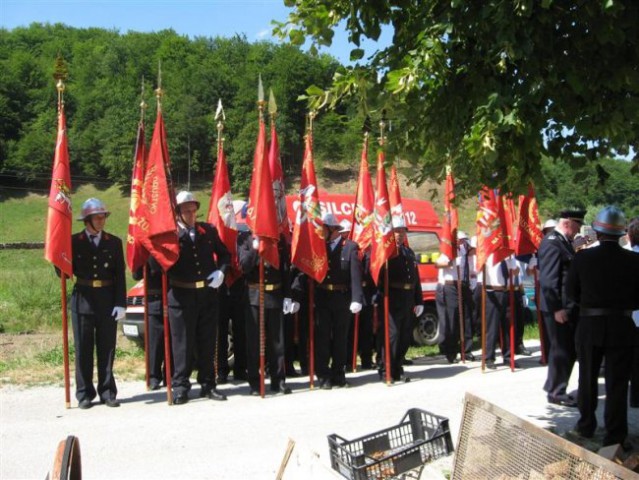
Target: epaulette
552, 236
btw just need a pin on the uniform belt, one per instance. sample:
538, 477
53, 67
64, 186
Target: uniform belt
331, 287
495, 288
595, 312
177, 283
93, 283
401, 286
268, 287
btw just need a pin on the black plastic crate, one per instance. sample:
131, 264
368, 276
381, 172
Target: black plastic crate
419, 438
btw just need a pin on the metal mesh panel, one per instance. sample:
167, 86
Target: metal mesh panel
496, 445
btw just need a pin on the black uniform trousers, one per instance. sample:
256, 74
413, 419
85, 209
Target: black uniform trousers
451, 332
561, 354
365, 338
232, 307
193, 316
156, 342
497, 324
91, 330
332, 321
400, 324
617, 374
274, 345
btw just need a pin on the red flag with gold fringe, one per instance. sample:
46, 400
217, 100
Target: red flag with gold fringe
157, 228
57, 247
362, 231
528, 234
308, 250
136, 254
383, 246
492, 237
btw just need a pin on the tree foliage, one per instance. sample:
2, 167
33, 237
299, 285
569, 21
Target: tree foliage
487, 87
103, 93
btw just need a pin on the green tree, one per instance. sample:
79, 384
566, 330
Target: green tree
488, 87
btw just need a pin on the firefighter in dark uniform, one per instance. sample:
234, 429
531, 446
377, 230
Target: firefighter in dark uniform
336, 299
604, 282
153, 281
97, 303
277, 302
193, 300
405, 302
559, 312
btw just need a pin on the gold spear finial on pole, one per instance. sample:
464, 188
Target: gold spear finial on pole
272, 106
158, 91
143, 104
382, 125
220, 117
60, 74
260, 96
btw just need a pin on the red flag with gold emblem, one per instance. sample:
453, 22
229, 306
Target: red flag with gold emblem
57, 247
450, 222
261, 216
136, 254
308, 249
383, 245
221, 213
362, 231
492, 237
157, 228
528, 234
279, 190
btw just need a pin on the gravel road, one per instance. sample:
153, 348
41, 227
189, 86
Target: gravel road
246, 437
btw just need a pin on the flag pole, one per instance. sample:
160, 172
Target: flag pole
260, 108
483, 318
165, 300
60, 76
511, 304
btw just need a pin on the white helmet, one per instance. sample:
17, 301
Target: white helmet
462, 235
92, 206
330, 220
186, 197
346, 226
550, 223
398, 222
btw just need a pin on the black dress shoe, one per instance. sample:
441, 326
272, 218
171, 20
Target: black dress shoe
214, 394
452, 358
563, 400
280, 387
341, 384
85, 404
154, 385
401, 379
110, 402
180, 399
521, 350
469, 356
490, 364
325, 384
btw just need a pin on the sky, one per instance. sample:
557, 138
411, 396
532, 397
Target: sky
208, 18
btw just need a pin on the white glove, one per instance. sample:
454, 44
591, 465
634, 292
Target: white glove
355, 307
287, 306
118, 313
532, 263
295, 307
419, 309
217, 277
256, 243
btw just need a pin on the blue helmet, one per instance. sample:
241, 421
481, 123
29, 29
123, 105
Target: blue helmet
610, 221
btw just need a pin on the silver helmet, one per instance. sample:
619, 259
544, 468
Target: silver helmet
186, 197
92, 206
610, 221
330, 220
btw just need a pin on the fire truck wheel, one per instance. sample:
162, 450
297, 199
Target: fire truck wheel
426, 330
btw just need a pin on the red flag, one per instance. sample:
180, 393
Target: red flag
450, 222
157, 229
279, 191
492, 237
308, 250
57, 248
362, 232
136, 254
528, 234
383, 244
261, 216
221, 212
394, 196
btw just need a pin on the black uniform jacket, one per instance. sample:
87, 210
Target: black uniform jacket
104, 262
402, 271
555, 254
276, 280
200, 258
605, 277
